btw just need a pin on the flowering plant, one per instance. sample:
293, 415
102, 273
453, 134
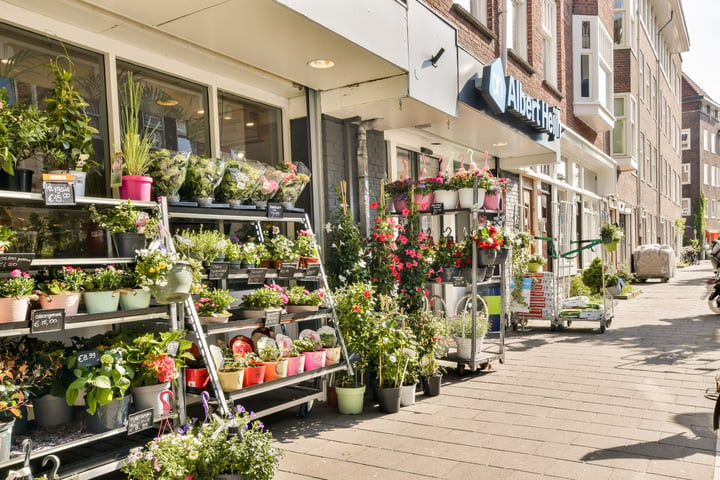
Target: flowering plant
346, 261
213, 301
299, 295
103, 279
269, 296
497, 184
19, 284
463, 253
69, 280
241, 178
399, 189
268, 185
488, 237
306, 345
248, 252
428, 185
466, 178
204, 175
103, 382
236, 444
153, 266
124, 218
157, 357
168, 170
281, 248
305, 244
292, 183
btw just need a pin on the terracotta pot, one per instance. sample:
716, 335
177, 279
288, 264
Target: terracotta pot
254, 376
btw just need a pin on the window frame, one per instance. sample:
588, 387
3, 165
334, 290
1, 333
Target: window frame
517, 28
549, 39
685, 142
686, 173
477, 8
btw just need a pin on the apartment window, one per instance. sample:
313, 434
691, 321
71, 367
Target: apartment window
706, 174
653, 91
477, 8
641, 155
685, 173
648, 161
517, 27
549, 32
619, 142
641, 83
585, 76
706, 139
648, 79
685, 207
685, 139
653, 167
712, 143
623, 24
713, 206
593, 48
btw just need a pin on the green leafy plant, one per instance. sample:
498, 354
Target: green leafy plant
204, 175
153, 266
156, 357
124, 218
168, 170
23, 132
305, 244
299, 295
346, 262
306, 345
232, 362
536, 258
578, 287
611, 233
135, 145
268, 296
103, 279
7, 236
104, 382
17, 284
281, 248
203, 245
269, 353
461, 325
213, 302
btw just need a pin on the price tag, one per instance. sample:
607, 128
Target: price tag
140, 421
256, 276
313, 270
59, 192
47, 320
287, 270
173, 347
437, 208
272, 318
459, 282
218, 270
274, 210
88, 358
11, 261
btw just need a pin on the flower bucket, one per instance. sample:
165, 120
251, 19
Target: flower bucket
51, 411
465, 197
350, 399
466, 273
135, 299
486, 256
611, 247
69, 301
301, 308
136, 187
6, 439
534, 267
502, 255
127, 242
400, 203
431, 385
492, 201
254, 376
449, 198
252, 313
218, 318
179, 284
111, 416
231, 381
424, 200
314, 360
295, 365
332, 355
148, 396
389, 399
275, 370
407, 395
14, 309
464, 347
101, 302
196, 377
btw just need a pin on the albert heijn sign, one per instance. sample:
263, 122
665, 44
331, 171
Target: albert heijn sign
504, 94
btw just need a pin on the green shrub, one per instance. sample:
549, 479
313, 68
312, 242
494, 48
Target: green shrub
577, 287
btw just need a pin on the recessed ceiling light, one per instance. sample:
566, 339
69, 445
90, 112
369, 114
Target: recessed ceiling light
500, 144
167, 102
321, 63
250, 124
227, 117
201, 112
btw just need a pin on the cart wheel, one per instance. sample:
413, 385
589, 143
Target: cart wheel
514, 326
602, 328
642, 280
560, 327
553, 327
665, 280
460, 369
306, 410
485, 366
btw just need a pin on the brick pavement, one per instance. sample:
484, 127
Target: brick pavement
627, 404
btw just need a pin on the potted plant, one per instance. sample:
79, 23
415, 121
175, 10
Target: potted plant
254, 371
237, 444
280, 249
442, 256
424, 191
267, 186
268, 297
168, 171
101, 289
301, 299
307, 248
64, 290
489, 240
129, 226
496, 187
399, 191
212, 305
275, 366
136, 142
239, 182
232, 372
310, 349
206, 246
535, 263
611, 234
203, 177
7, 237
431, 372
251, 253
464, 181
69, 142
168, 277
156, 360
461, 329
16, 291
292, 183
132, 295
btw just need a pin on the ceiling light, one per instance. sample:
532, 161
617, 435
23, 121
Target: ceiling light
227, 117
167, 102
201, 112
250, 124
321, 63
500, 144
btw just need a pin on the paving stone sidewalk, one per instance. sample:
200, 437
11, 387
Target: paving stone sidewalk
632, 403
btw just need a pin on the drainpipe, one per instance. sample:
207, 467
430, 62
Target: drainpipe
503, 37
317, 160
658, 174
363, 179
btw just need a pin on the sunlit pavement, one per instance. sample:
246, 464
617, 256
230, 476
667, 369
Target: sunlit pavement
632, 403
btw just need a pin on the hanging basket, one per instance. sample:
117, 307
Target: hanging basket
178, 287
611, 247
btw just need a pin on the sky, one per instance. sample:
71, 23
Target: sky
702, 62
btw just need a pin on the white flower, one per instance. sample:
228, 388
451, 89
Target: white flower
328, 227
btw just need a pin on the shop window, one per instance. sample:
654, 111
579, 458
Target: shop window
685, 139
476, 8
549, 33
686, 174
176, 109
24, 74
517, 27
249, 130
416, 165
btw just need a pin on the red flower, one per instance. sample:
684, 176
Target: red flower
367, 294
403, 239
405, 212
356, 309
374, 205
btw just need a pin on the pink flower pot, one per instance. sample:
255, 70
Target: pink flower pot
314, 360
70, 302
14, 309
136, 187
492, 201
400, 204
295, 365
424, 201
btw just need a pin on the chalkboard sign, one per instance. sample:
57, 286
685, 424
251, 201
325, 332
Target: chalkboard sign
312, 270
437, 208
140, 421
88, 358
47, 320
11, 261
287, 270
218, 270
272, 318
274, 210
459, 282
256, 276
172, 348
59, 193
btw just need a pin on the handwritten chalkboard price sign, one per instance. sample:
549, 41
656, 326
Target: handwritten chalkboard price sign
140, 421
47, 320
218, 270
272, 318
256, 276
58, 189
274, 210
437, 208
88, 358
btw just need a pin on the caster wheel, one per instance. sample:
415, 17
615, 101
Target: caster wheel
602, 328
485, 366
305, 410
569, 322
553, 327
514, 326
665, 280
460, 370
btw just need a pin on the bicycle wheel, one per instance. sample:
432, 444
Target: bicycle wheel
464, 305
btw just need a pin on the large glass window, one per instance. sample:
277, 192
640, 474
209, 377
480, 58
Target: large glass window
549, 32
249, 130
174, 107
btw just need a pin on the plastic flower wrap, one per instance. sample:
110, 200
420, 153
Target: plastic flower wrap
241, 178
168, 170
268, 185
204, 175
293, 182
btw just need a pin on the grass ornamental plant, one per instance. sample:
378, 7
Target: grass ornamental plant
135, 145
124, 218
299, 295
268, 296
213, 302
18, 284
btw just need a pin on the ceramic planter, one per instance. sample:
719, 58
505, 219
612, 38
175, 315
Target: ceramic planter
449, 198
301, 308
465, 197
400, 203
14, 309
148, 396
350, 399
101, 302
492, 201
295, 365
214, 319
424, 200
231, 381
